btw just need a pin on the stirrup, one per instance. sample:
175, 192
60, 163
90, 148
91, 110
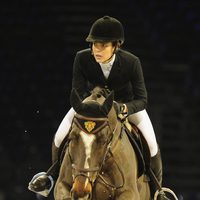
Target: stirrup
163, 191
45, 192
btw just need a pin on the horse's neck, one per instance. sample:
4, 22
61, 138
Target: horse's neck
116, 136
112, 118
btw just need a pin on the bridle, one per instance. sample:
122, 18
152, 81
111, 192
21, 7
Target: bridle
101, 123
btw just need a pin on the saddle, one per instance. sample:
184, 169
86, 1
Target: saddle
139, 145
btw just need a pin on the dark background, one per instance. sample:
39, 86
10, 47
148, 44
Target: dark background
39, 39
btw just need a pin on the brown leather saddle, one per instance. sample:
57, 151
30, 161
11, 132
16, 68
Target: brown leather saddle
140, 147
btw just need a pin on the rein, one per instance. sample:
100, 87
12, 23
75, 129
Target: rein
108, 150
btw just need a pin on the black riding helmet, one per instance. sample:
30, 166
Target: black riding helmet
106, 29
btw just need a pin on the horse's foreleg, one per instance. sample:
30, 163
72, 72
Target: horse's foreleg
128, 195
61, 191
64, 182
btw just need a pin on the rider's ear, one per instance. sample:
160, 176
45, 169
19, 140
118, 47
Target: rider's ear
107, 104
75, 100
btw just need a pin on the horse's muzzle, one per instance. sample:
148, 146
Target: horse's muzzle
82, 187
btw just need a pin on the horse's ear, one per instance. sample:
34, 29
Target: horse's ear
75, 100
107, 104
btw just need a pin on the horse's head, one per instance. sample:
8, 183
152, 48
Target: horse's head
90, 138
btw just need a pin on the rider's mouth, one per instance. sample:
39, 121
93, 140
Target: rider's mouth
98, 56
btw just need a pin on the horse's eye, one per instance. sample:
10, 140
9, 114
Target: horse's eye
102, 138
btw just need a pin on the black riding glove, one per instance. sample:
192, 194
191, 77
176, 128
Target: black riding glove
120, 110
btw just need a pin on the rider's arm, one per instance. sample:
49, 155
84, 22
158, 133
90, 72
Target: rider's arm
139, 90
79, 81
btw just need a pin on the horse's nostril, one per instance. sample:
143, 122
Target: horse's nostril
81, 187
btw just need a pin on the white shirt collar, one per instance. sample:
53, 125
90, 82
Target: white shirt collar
106, 67
110, 63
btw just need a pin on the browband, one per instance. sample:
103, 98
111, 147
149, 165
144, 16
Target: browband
90, 125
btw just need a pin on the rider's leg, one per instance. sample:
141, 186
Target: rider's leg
142, 121
64, 128
61, 133
44, 182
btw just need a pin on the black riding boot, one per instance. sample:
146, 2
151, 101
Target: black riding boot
156, 167
44, 181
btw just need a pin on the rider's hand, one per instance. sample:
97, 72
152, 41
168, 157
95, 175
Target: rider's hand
124, 109
121, 110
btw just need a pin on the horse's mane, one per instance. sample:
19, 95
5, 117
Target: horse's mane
97, 92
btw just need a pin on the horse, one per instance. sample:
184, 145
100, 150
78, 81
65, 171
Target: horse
99, 162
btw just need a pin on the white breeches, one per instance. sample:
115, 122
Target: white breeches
140, 119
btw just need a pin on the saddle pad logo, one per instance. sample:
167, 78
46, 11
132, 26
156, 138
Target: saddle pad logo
89, 125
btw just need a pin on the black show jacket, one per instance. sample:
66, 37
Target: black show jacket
125, 79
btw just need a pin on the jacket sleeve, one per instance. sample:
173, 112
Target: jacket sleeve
139, 90
79, 81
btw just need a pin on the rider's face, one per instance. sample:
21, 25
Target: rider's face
102, 51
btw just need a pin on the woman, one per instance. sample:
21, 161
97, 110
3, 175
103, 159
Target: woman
105, 64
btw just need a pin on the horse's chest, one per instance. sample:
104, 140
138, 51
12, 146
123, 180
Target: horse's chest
102, 192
